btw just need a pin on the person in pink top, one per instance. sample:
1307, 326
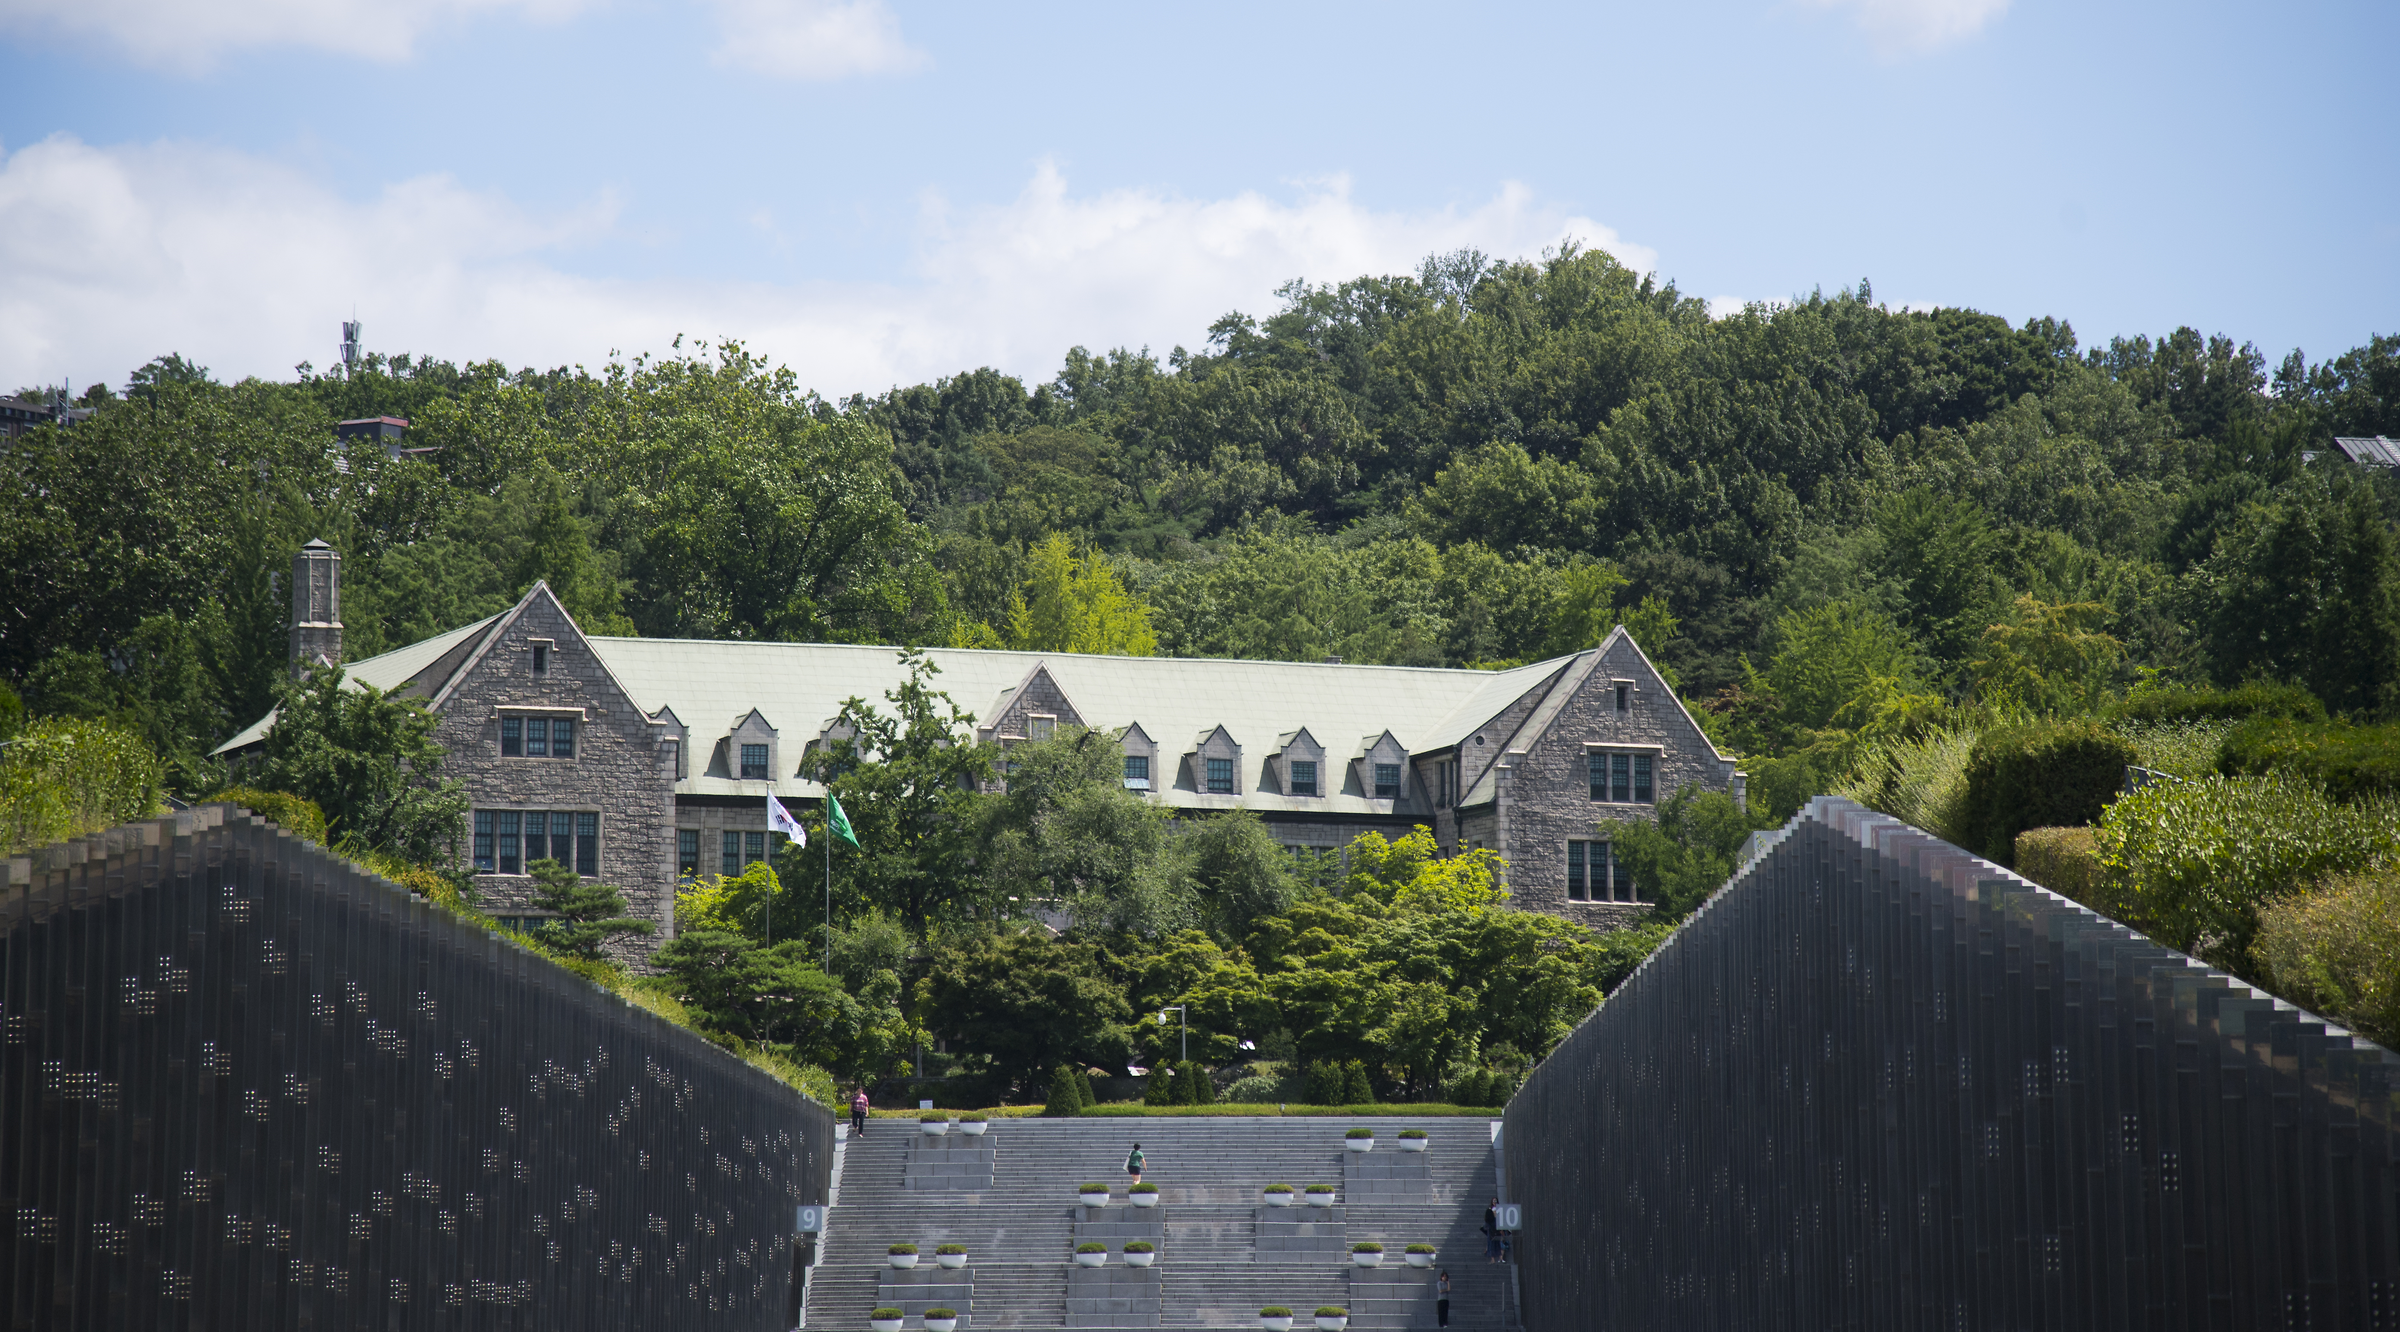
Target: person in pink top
858, 1111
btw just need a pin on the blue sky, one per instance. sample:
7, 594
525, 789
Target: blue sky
881, 191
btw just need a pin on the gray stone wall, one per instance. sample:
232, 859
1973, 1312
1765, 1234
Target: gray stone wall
619, 770
1546, 789
1039, 694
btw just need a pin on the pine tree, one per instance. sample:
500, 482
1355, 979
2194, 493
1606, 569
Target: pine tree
1159, 1087
1083, 1088
1355, 1090
1066, 1099
588, 914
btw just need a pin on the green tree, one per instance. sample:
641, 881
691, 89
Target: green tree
1026, 1003
368, 759
1073, 602
910, 783
585, 914
1940, 551
1065, 830
1689, 853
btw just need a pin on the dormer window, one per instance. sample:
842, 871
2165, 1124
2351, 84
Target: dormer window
1137, 772
1220, 776
1304, 777
754, 763
1387, 781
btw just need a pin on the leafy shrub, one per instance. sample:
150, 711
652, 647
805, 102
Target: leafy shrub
1065, 1098
902, 1248
2336, 951
1920, 780
2192, 863
2188, 705
1472, 1088
1355, 1090
1360, 1133
1616, 954
1254, 1090
64, 777
2064, 860
1421, 1248
1093, 1187
1083, 1087
1412, 1133
1163, 1086
296, 815
2348, 761
1140, 1246
951, 1249
2038, 775
974, 1119
933, 1119
1143, 1188
887, 1315
2177, 748
1332, 1311
1325, 1083
1318, 1188
1368, 1247
1091, 1246
1193, 1086
1277, 1188
941, 1313
1274, 1311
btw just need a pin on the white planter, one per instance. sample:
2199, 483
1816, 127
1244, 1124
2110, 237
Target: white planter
1090, 1259
903, 1261
1142, 1199
1320, 1199
1323, 1324
1277, 1199
934, 1130
1359, 1144
1420, 1259
1367, 1259
974, 1130
1140, 1259
1092, 1199
941, 1325
1415, 1144
954, 1261
884, 1324
1275, 1324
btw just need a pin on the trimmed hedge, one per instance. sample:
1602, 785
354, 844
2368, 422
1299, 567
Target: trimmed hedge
2348, 761
1066, 1094
2064, 860
2039, 775
2251, 700
2336, 951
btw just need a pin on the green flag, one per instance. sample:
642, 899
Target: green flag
836, 821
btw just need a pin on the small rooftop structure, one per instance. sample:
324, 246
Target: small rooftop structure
2373, 450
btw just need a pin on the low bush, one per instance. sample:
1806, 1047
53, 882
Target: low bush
2178, 748
974, 1119
1360, 1133
1412, 1133
1421, 1248
1277, 1188
2336, 951
2064, 860
2220, 705
941, 1313
2348, 761
296, 815
2047, 774
951, 1249
886, 1315
1066, 1098
2193, 863
1143, 1188
1332, 1311
1355, 1089
933, 1119
1368, 1247
1091, 1246
1140, 1246
1324, 1081
1920, 780
62, 777
1318, 1188
1274, 1311
1094, 1187
902, 1248
1256, 1089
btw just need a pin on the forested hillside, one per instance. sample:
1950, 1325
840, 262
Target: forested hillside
1965, 572
1814, 514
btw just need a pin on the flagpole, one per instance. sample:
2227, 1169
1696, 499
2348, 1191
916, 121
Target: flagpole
829, 882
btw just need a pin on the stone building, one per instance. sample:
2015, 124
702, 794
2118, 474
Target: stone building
647, 761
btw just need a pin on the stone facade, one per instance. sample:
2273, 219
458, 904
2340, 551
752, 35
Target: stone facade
622, 769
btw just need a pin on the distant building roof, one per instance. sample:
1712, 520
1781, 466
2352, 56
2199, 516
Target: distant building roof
2375, 450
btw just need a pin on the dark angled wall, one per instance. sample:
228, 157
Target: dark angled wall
244, 1085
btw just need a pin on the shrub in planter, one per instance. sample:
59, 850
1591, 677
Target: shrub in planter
941, 1320
1359, 1140
1140, 1253
902, 1248
1278, 1195
952, 1256
1414, 1140
1333, 1318
2064, 860
1412, 1133
2052, 774
902, 1255
974, 1126
1419, 1255
1275, 1318
2336, 950
1092, 1195
1367, 1247
886, 1320
1091, 1253
1360, 1133
950, 1248
934, 1125
1091, 1246
1320, 1195
1143, 1188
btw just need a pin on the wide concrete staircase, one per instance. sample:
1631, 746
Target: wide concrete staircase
1010, 1197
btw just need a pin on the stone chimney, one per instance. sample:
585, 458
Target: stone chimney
316, 607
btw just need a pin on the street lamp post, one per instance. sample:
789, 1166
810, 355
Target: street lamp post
1187, 1027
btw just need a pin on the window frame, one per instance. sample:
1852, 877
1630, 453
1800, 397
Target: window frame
1137, 780
1306, 786
537, 737
766, 763
687, 854
1387, 790
512, 737
1214, 769
1578, 871
729, 861
1624, 774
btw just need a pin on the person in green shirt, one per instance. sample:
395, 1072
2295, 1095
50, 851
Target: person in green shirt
1133, 1163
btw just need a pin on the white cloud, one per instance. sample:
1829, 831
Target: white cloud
116, 255
191, 34
813, 39
1912, 27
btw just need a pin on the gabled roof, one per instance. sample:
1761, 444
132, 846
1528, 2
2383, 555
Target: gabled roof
389, 671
